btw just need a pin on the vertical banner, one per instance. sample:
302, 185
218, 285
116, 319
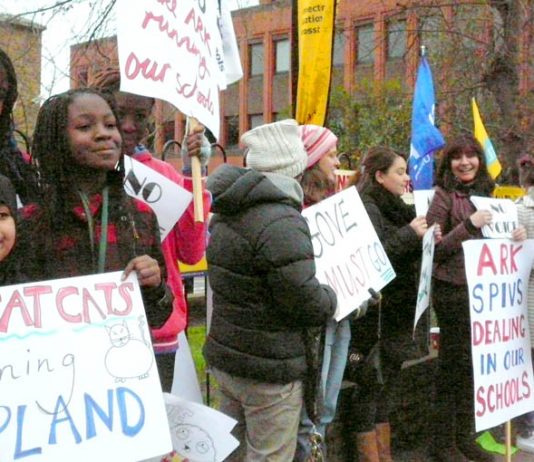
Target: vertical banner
348, 253
497, 273
78, 377
315, 42
173, 51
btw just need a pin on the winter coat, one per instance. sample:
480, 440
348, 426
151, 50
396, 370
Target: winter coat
391, 219
262, 272
451, 210
185, 242
525, 213
132, 231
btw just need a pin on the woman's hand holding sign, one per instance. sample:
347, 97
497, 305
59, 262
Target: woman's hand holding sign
481, 218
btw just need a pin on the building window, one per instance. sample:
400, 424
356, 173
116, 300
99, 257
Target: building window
255, 120
366, 44
256, 59
283, 54
232, 130
338, 55
396, 39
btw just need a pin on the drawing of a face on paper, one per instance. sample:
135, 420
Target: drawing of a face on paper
193, 443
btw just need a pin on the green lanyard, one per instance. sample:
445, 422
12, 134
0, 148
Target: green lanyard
103, 224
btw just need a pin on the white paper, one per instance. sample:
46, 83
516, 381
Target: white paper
425, 276
79, 378
168, 200
185, 382
171, 51
348, 254
199, 433
504, 216
497, 274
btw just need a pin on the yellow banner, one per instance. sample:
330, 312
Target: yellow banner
315, 39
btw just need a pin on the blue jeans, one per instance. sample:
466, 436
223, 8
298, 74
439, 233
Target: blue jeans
336, 346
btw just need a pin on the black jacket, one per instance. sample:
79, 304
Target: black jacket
391, 219
262, 272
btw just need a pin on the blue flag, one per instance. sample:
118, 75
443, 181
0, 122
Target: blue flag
426, 138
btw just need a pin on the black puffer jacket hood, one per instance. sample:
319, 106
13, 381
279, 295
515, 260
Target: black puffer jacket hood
236, 189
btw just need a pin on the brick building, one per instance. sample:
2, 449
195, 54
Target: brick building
21, 40
375, 41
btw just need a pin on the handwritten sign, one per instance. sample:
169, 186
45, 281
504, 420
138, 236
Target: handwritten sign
348, 254
343, 178
78, 379
425, 277
168, 200
504, 216
173, 51
199, 433
497, 273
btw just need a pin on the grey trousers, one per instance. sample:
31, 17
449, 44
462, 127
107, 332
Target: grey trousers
267, 417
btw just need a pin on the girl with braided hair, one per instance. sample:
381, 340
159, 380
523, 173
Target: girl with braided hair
88, 224
13, 163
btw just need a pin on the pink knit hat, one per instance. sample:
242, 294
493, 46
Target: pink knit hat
318, 142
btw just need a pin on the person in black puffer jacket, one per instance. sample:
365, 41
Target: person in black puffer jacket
262, 272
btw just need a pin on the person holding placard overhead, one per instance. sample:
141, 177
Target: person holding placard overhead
461, 173
88, 224
386, 332
187, 240
265, 292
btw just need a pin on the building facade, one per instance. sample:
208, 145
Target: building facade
375, 41
21, 40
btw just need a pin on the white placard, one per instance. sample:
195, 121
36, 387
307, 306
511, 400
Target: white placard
173, 51
168, 200
422, 199
185, 381
199, 433
348, 254
78, 375
504, 216
497, 273
425, 277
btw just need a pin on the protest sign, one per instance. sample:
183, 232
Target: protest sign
199, 433
173, 51
504, 216
168, 200
78, 379
497, 273
342, 178
348, 254
425, 277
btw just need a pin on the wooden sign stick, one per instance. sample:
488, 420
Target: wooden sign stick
191, 125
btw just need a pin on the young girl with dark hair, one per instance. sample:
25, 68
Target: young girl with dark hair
461, 173
382, 182
13, 164
187, 240
88, 224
